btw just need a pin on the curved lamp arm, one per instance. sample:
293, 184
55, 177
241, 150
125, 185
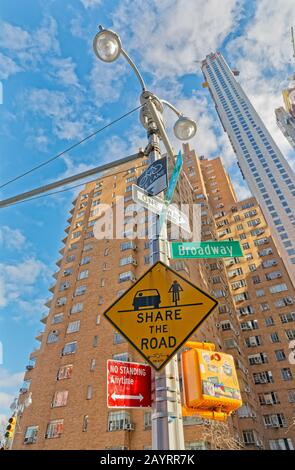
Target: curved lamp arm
132, 64
172, 107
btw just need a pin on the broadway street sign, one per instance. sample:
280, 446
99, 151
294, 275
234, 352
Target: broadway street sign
218, 249
154, 179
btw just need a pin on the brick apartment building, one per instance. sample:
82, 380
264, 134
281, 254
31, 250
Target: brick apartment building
66, 375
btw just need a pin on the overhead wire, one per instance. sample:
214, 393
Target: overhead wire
46, 162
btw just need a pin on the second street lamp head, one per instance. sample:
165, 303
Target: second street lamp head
107, 45
185, 128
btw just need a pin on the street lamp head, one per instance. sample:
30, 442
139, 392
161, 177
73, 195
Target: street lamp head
185, 128
107, 45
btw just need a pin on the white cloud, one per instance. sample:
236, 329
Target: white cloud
19, 279
11, 238
91, 3
7, 67
70, 117
10, 380
64, 71
107, 81
170, 35
29, 49
6, 399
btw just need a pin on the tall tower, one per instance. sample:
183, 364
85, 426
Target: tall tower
268, 174
286, 116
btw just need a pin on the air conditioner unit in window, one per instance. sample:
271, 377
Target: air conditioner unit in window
247, 389
129, 427
218, 325
29, 440
268, 401
259, 443
289, 301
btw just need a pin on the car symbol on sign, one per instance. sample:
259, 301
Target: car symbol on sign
146, 298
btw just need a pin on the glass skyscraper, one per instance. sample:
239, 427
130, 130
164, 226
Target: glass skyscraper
268, 174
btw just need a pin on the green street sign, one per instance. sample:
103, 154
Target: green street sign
220, 249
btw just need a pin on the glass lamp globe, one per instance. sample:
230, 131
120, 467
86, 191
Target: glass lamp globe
107, 45
185, 128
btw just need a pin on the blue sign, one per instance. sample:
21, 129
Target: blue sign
174, 178
154, 179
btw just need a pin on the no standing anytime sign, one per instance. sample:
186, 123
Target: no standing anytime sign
129, 384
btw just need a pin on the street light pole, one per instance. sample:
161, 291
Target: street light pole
167, 426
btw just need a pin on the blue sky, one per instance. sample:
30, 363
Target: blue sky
56, 92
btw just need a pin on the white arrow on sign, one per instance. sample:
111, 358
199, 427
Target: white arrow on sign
157, 205
126, 397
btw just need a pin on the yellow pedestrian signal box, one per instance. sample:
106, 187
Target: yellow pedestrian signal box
10, 428
210, 382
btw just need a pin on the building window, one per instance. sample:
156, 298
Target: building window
197, 445
118, 338
286, 374
69, 348
281, 444
54, 429
85, 423
249, 437
278, 288
287, 317
89, 392
291, 395
92, 364
97, 319
64, 285
147, 419
80, 291
31, 435
67, 272
65, 372
269, 321
88, 247
126, 276
280, 355
102, 282
127, 260
76, 308
124, 357
85, 260
83, 274
95, 341
290, 334
274, 337
60, 399
52, 337
119, 420
73, 326
58, 318
128, 246
61, 301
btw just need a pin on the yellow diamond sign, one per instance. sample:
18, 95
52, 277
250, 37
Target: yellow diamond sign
159, 313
